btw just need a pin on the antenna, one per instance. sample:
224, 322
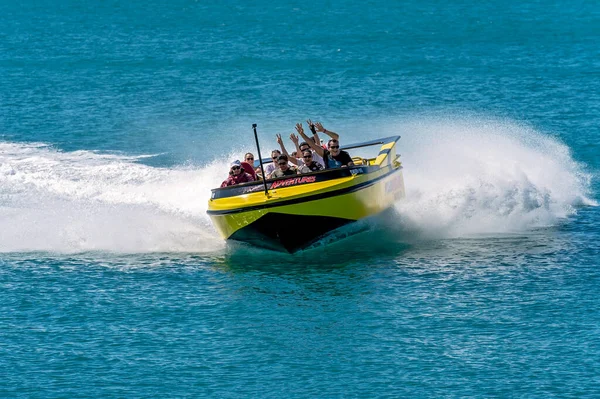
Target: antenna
260, 160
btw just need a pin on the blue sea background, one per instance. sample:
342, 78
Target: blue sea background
116, 119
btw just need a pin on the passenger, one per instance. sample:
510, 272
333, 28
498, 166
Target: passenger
309, 165
305, 147
248, 164
333, 157
270, 168
284, 168
301, 148
284, 151
237, 175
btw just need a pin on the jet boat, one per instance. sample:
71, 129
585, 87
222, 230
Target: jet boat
293, 212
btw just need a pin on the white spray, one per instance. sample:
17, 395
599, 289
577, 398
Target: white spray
84, 201
480, 177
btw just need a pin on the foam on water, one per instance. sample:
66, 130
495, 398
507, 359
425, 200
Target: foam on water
81, 201
477, 176
463, 178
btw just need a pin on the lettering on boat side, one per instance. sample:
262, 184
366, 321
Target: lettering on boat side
293, 181
248, 188
252, 189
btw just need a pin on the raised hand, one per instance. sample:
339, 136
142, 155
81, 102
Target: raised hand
319, 127
311, 125
294, 138
279, 140
300, 129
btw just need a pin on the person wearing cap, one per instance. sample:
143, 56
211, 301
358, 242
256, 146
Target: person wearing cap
237, 175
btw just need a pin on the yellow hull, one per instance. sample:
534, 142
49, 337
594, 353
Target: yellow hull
298, 211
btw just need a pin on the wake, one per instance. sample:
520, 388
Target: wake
84, 201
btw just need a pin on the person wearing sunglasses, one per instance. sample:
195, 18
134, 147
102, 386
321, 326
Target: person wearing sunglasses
304, 146
333, 157
237, 175
299, 160
283, 168
270, 167
308, 164
248, 164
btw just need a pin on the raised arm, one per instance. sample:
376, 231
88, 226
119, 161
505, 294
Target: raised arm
331, 134
284, 151
317, 148
295, 140
316, 138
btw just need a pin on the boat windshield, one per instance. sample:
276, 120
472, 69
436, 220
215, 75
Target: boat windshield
366, 150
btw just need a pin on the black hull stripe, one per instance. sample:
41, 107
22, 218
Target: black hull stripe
315, 197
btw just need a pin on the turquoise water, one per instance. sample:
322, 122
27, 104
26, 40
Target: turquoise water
117, 118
